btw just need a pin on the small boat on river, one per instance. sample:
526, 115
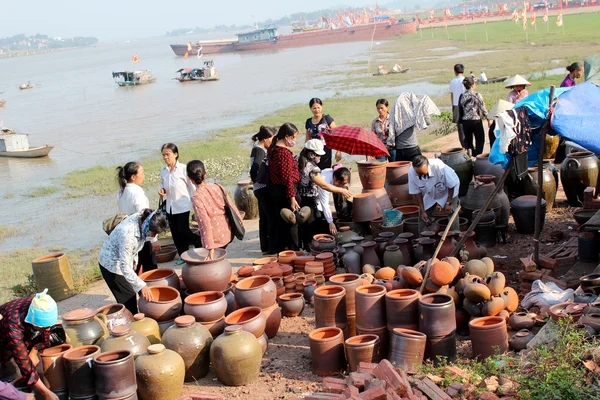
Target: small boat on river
26, 86
16, 145
204, 74
133, 78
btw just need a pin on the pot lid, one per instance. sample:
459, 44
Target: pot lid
527, 201
79, 314
139, 316
156, 348
120, 330
185, 320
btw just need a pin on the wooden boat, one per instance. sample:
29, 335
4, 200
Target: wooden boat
204, 74
494, 80
26, 86
133, 78
2, 103
32, 152
17, 145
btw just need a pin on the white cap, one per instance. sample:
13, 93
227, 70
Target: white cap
315, 145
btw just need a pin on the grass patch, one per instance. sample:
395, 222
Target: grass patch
7, 231
43, 191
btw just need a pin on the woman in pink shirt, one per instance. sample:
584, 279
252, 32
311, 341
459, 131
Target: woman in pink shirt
209, 208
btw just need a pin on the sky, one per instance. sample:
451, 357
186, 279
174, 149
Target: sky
126, 19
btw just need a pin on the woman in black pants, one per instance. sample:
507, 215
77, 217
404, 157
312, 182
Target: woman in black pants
471, 108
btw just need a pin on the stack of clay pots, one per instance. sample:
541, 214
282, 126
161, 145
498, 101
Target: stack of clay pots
252, 320
165, 307
372, 176
437, 320
350, 282
52, 360
397, 183
300, 262
260, 291
371, 314
208, 309
330, 307
327, 259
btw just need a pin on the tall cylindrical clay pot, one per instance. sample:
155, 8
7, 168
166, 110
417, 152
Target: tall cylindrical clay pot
330, 306
327, 351
83, 327
436, 315
370, 306
236, 356
54, 273
78, 370
397, 172
245, 200
402, 309
200, 274
577, 172
488, 336
460, 162
54, 368
159, 374
349, 282
114, 375
407, 348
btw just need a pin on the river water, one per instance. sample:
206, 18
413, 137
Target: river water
77, 107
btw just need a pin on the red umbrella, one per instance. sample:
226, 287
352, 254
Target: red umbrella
355, 141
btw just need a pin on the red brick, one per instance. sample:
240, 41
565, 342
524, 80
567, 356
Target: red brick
488, 396
359, 379
385, 371
351, 391
431, 390
325, 396
392, 394
405, 379
334, 385
455, 371
203, 396
366, 367
376, 393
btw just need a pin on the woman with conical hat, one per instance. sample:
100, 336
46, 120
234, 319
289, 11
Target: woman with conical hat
517, 83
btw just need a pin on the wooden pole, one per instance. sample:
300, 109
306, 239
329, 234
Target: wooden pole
540, 179
371, 49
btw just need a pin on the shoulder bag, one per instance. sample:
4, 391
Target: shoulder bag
235, 222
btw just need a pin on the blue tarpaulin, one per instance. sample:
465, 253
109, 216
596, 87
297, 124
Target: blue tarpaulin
537, 105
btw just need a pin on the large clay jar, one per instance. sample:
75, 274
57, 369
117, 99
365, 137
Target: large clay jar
372, 174
399, 195
436, 315
54, 368
407, 348
116, 314
370, 306
365, 208
206, 306
380, 245
548, 164
251, 319
323, 242
192, 342
521, 320
382, 333
159, 374
83, 327
520, 339
344, 235
405, 248
548, 185
214, 327
327, 351
273, 316
349, 282
236, 356
461, 163
483, 166
123, 338
362, 348
397, 172
230, 298
523, 211
411, 225
393, 257
448, 245
165, 306
245, 200
577, 172
383, 199
200, 274
442, 348
292, 304
402, 309
114, 374
79, 373
161, 277
488, 336
147, 327
351, 259
369, 254
256, 291
477, 195
330, 306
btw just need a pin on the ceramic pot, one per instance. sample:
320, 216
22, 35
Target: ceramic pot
344, 235
389, 236
369, 254
230, 298
380, 245
427, 248
215, 328
407, 348
192, 342
78, 371
477, 196
461, 163
485, 234
273, 316
402, 309
323, 242
385, 273
523, 211
200, 274
165, 306
578, 171
245, 200
548, 185
412, 276
521, 320
330, 306
53, 367
470, 246
436, 315
116, 314
370, 306
399, 195
441, 348
362, 348
383, 199
236, 356
492, 307
393, 257
351, 259
251, 319
159, 374
164, 325
463, 223
123, 338
258, 291
548, 164
411, 225
442, 273
405, 248
365, 208
372, 174
309, 290
161, 277
520, 339
147, 327
448, 245
382, 333
84, 327
292, 304
114, 375
349, 282
483, 166
206, 306
396, 172
327, 351
488, 335
495, 282
477, 292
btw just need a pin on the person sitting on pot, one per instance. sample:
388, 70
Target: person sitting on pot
25, 329
435, 186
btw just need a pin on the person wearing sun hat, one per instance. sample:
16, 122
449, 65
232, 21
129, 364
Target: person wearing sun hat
25, 329
517, 83
499, 107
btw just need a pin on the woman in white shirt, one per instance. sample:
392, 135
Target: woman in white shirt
177, 190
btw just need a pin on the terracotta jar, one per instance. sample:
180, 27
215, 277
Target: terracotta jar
393, 257
164, 325
323, 242
251, 319
448, 245
230, 298
214, 327
200, 274
350, 282
114, 374
523, 211
520, 339
407, 348
78, 371
436, 315
380, 245
53, 366
396, 172
116, 314
165, 306
327, 351
84, 327
399, 195
287, 257
441, 348
123, 338
161, 277
372, 174
344, 235
259, 291
330, 306
365, 208
461, 163
471, 247
521, 320
147, 327
370, 306
159, 374
493, 306
362, 348
351, 259
292, 304
488, 336
236, 356
206, 306
273, 316
402, 309
405, 248
380, 332
382, 197
577, 172
245, 200
369, 255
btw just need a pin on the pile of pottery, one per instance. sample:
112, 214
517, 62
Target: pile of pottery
397, 183
372, 175
257, 291
578, 172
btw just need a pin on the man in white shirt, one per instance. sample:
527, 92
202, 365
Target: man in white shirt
435, 186
456, 89
482, 77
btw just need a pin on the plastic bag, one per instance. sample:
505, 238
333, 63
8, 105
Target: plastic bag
544, 295
496, 157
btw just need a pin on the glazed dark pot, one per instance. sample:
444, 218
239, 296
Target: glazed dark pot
116, 314
407, 348
489, 336
370, 306
369, 254
83, 327
393, 257
397, 172
587, 244
330, 306
323, 242
549, 164
477, 195
349, 282
523, 211
380, 245
251, 319
483, 166
78, 370
362, 348
382, 333
206, 306
256, 291
245, 200
578, 171
399, 195
402, 309
159, 374
114, 374
292, 304
166, 305
53, 366
520, 339
327, 351
461, 163
436, 315
236, 356
200, 275
123, 338
161, 277
441, 348
485, 233
548, 185
372, 174
351, 259
411, 225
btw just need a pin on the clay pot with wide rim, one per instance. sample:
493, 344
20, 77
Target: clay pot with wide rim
116, 314
159, 374
436, 315
362, 348
323, 242
327, 351
53, 366
166, 254
161, 277
230, 298
396, 172
488, 335
287, 257
399, 195
273, 316
206, 306
256, 291
78, 370
461, 163
292, 304
372, 174
523, 212
592, 320
349, 282
407, 348
382, 333
123, 338
483, 166
251, 319
192, 342
114, 374
165, 306
577, 172
214, 327
365, 208
200, 274
147, 327
519, 340
370, 306
236, 356
330, 306
402, 309
383, 199
84, 327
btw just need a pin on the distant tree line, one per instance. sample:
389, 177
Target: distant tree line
39, 41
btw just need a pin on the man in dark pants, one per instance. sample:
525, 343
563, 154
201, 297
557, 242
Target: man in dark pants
456, 89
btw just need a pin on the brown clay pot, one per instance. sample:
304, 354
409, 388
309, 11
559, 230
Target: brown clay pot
521, 320
165, 306
407, 348
511, 299
161, 277
236, 356
477, 292
245, 271
372, 174
114, 374
493, 306
382, 333
215, 327
123, 338
78, 371
396, 172
349, 282
370, 306
487, 334
287, 257
442, 273
53, 366
441, 348
116, 314
402, 309
327, 351
436, 315
147, 327
383, 199
159, 374
362, 348
264, 343
412, 276
365, 208
83, 327
164, 325
273, 316
330, 306
230, 298
256, 291
520, 339
292, 304
577, 172
200, 274
206, 306
399, 195
251, 319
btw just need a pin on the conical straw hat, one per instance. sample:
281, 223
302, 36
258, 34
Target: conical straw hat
501, 106
516, 81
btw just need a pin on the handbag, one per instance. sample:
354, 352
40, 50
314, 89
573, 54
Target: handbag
235, 222
262, 176
109, 224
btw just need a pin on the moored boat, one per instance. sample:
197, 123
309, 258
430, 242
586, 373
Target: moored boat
26, 86
17, 145
204, 74
133, 78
